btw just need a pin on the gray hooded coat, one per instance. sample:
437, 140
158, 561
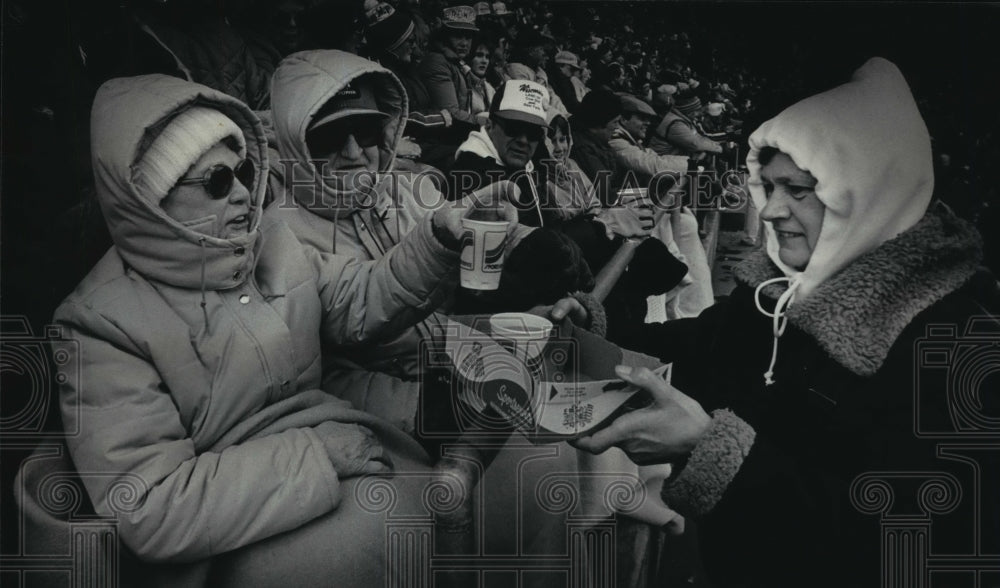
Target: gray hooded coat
207, 415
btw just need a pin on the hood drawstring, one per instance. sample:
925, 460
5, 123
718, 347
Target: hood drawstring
339, 197
204, 304
333, 247
530, 167
780, 320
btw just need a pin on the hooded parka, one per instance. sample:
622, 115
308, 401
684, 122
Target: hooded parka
364, 225
200, 357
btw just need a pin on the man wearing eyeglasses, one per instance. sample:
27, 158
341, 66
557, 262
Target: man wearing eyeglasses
504, 148
507, 147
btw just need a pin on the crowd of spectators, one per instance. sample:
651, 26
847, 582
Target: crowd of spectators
694, 57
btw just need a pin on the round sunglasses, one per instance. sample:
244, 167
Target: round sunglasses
218, 179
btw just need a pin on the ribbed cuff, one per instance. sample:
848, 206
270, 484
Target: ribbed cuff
712, 466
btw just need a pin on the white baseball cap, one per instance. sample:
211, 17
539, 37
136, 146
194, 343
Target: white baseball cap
521, 100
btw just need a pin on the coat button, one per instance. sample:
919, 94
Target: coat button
237, 275
239, 251
245, 299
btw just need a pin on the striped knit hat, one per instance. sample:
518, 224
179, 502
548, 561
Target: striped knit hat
688, 106
179, 145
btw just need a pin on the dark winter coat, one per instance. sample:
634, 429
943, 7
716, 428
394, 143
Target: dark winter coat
447, 86
771, 484
599, 161
818, 422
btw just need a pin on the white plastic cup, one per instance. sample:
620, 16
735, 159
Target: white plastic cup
483, 245
524, 335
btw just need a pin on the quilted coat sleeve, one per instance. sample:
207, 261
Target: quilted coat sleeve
137, 460
683, 135
366, 301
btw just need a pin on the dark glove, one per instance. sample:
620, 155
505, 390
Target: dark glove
653, 270
543, 268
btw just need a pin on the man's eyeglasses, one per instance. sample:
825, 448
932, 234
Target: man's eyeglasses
516, 128
331, 137
218, 179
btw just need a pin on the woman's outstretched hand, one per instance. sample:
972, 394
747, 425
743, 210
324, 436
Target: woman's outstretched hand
564, 307
662, 432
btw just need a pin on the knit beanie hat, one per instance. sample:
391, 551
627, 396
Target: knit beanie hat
180, 144
387, 28
688, 106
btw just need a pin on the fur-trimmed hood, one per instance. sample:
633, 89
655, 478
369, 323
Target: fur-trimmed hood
858, 313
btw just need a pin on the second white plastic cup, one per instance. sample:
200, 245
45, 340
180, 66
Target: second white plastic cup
525, 334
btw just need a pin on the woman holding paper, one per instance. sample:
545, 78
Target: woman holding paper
809, 376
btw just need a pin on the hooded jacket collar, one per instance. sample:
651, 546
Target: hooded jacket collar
479, 143
303, 83
126, 117
857, 314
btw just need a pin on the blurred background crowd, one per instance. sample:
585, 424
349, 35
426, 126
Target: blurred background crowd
732, 65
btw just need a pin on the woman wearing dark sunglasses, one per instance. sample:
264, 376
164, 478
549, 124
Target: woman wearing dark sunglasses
226, 180
198, 338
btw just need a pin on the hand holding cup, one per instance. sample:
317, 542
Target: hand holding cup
479, 226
